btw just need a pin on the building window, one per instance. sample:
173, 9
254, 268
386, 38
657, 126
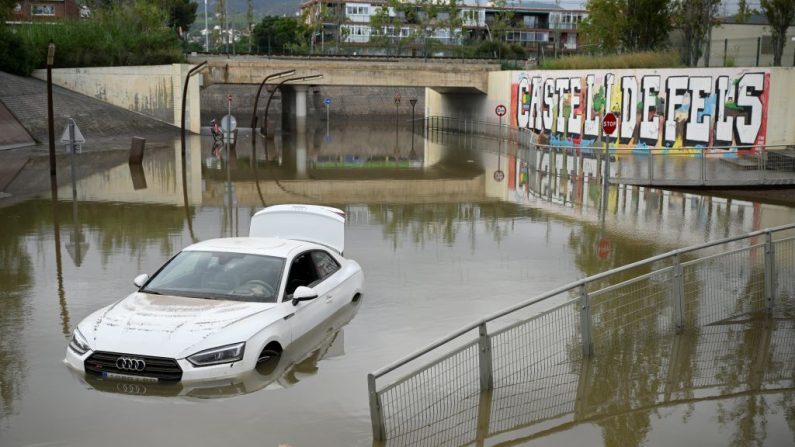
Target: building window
42, 10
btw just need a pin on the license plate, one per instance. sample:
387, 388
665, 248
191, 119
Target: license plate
109, 375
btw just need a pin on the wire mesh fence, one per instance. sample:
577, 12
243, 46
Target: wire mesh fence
564, 360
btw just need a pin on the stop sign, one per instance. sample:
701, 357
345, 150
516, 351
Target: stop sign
609, 124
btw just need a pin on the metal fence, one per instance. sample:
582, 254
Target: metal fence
532, 369
686, 166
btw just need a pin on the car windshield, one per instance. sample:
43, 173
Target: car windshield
219, 275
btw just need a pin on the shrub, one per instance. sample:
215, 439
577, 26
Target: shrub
133, 33
648, 59
16, 54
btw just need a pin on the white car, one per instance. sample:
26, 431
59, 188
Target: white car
219, 307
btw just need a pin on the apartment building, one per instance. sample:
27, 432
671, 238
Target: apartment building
527, 23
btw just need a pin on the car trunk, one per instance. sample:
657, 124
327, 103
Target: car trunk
319, 224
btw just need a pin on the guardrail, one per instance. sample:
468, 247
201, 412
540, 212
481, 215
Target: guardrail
672, 293
682, 166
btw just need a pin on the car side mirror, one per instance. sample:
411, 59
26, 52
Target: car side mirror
140, 280
303, 293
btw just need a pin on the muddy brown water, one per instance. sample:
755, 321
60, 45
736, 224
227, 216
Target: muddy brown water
442, 243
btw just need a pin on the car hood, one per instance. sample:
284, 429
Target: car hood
169, 326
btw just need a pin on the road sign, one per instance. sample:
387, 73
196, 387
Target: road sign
73, 147
500, 110
397, 99
228, 123
327, 101
609, 124
229, 98
79, 139
499, 175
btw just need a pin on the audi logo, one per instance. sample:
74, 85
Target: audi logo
130, 364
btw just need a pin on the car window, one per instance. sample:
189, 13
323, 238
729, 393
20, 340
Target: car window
220, 275
326, 265
302, 273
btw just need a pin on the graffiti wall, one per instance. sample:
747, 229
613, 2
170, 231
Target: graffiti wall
723, 110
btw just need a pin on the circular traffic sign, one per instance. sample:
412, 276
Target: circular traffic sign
229, 98
499, 175
500, 110
609, 124
228, 123
327, 101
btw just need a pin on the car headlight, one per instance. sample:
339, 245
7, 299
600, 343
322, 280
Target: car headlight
215, 356
78, 344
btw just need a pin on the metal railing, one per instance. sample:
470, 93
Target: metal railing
685, 166
677, 292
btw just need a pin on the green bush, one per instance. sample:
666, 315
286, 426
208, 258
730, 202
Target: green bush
133, 33
647, 59
16, 54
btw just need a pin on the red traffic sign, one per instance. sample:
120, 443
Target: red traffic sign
609, 124
500, 110
229, 98
499, 175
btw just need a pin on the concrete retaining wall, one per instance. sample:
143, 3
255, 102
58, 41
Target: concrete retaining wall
755, 104
154, 91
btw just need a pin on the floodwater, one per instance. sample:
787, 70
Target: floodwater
442, 243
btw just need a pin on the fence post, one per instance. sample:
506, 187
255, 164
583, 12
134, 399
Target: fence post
703, 167
585, 322
725, 50
484, 358
758, 49
376, 413
770, 272
678, 295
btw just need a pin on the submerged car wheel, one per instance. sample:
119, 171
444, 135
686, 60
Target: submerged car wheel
272, 351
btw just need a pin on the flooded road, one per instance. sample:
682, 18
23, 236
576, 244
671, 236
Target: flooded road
441, 243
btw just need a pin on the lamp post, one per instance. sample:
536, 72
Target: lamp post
254, 112
206, 30
50, 124
413, 102
270, 97
397, 105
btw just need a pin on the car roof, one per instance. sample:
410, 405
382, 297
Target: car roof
267, 246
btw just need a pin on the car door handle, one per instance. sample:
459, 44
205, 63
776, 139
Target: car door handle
329, 298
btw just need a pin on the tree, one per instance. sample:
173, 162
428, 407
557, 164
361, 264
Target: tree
181, 14
779, 15
281, 34
694, 18
744, 10
627, 25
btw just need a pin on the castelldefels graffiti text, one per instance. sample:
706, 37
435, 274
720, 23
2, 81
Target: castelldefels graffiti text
655, 109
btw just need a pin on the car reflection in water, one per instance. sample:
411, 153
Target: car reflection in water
298, 360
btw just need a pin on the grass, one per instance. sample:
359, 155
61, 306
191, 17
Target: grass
668, 59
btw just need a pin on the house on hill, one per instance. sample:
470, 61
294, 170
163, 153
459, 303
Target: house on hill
45, 10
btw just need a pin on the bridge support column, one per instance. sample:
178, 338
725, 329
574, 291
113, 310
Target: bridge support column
300, 101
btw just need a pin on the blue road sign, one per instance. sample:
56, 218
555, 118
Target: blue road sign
327, 101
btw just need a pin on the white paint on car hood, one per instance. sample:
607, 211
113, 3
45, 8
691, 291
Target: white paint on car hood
165, 326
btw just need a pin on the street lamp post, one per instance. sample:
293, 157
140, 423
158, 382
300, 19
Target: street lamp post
256, 101
270, 97
206, 30
397, 105
413, 102
50, 123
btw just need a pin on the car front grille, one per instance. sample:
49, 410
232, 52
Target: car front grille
100, 363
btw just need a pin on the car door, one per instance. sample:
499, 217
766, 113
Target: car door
305, 271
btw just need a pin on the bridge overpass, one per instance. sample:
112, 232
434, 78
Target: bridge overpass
468, 76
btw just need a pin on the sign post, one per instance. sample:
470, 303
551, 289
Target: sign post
500, 111
327, 102
609, 125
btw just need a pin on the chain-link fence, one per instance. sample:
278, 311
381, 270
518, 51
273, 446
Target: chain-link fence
548, 366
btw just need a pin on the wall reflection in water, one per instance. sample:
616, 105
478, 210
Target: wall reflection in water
747, 367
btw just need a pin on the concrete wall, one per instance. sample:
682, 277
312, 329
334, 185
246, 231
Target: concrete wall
154, 91
768, 121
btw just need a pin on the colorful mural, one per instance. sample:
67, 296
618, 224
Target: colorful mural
669, 110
